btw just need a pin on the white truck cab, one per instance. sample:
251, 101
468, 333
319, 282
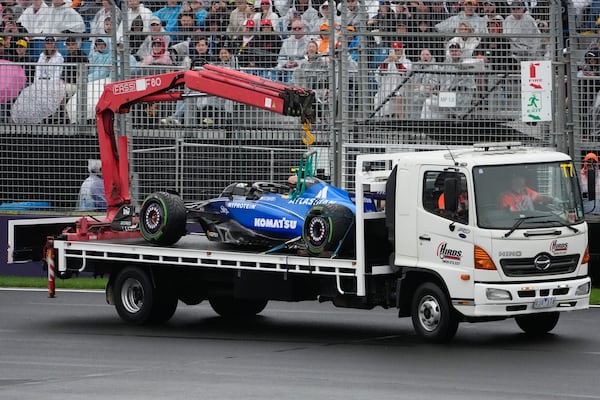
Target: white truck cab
496, 231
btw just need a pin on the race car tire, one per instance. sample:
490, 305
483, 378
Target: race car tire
230, 307
325, 226
162, 218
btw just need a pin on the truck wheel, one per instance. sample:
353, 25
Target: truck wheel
324, 227
432, 315
138, 301
163, 218
229, 307
537, 324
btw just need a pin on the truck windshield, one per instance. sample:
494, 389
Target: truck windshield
527, 196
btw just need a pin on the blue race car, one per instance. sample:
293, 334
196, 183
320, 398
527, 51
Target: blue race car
261, 214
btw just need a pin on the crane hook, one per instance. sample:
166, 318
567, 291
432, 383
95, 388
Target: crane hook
308, 138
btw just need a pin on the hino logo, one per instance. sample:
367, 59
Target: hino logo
542, 262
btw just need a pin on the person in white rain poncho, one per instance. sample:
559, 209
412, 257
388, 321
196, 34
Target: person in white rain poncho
457, 88
91, 193
391, 78
424, 82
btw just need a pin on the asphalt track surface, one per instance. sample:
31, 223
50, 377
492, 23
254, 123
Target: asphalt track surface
76, 347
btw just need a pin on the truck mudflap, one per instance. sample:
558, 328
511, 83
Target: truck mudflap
506, 300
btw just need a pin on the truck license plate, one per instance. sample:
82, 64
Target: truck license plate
545, 302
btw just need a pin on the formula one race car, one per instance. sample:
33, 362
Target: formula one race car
261, 214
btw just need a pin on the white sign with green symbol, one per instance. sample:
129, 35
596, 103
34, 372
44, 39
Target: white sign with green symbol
536, 91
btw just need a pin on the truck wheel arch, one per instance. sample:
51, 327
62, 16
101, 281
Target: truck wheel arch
411, 279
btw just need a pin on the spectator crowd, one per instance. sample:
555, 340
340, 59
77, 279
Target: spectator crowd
413, 51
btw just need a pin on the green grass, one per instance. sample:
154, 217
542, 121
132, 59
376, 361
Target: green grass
28, 282
100, 283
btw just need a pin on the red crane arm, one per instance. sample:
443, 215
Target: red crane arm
118, 97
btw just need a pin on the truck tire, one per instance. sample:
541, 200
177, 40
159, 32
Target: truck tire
163, 218
433, 317
325, 226
537, 324
138, 301
229, 307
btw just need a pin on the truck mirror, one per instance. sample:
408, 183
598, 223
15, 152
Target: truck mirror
451, 194
591, 179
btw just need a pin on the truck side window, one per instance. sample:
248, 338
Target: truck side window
433, 195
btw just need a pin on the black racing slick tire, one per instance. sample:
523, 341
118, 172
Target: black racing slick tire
229, 307
537, 324
328, 228
433, 317
138, 301
163, 218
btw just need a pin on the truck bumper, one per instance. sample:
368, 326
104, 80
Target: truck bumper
501, 299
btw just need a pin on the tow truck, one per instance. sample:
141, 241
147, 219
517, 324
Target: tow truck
440, 264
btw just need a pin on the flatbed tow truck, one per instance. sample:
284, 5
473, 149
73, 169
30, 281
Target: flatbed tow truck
438, 264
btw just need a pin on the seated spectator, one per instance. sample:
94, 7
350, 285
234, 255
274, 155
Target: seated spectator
518, 24
354, 15
490, 12
457, 89
384, 21
50, 62
465, 38
424, 83
97, 24
10, 27
21, 55
100, 60
138, 17
16, 8
294, 47
237, 17
468, 14
71, 72
391, 80
169, 14
495, 49
61, 18
156, 30
197, 9
324, 39
186, 27
159, 54
268, 46
216, 38
91, 193
325, 11
265, 12
245, 47
312, 71
303, 10
33, 18
426, 38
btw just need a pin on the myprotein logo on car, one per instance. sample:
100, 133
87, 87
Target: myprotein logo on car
448, 255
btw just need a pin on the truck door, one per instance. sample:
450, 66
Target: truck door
445, 242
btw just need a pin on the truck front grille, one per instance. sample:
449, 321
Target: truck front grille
526, 267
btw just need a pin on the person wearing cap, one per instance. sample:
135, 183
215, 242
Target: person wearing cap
523, 33
156, 30
246, 47
50, 62
97, 24
268, 44
454, 83
490, 12
464, 36
20, 55
468, 14
169, 14
91, 193
238, 17
391, 79
324, 40
265, 13
74, 60
590, 170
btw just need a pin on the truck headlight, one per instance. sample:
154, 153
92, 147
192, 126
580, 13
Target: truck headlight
497, 294
583, 289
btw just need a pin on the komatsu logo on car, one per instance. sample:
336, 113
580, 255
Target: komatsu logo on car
282, 223
556, 247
